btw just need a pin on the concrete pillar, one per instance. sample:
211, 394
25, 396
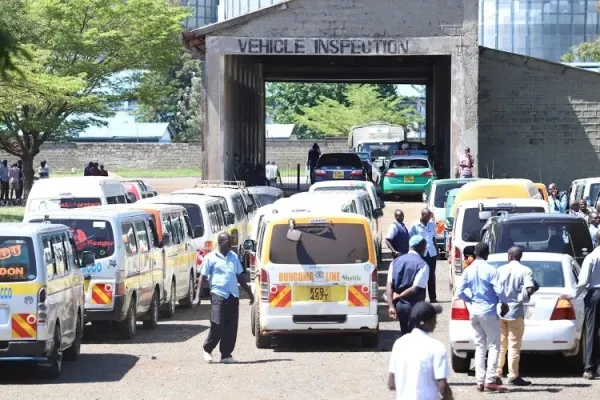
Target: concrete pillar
214, 124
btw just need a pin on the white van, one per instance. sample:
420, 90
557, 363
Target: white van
126, 282
41, 295
73, 192
471, 217
586, 189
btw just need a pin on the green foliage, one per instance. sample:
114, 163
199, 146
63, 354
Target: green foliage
76, 47
174, 96
584, 52
13, 27
364, 104
285, 101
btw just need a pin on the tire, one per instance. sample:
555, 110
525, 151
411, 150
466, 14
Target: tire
169, 310
461, 365
73, 352
128, 327
54, 366
262, 342
370, 340
152, 321
253, 319
575, 363
188, 300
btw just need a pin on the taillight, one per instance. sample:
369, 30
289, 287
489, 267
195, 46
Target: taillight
357, 172
42, 307
460, 312
252, 260
320, 172
427, 173
390, 174
563, 310
458, 267
120, 290
264, 285
199, 257
374, 283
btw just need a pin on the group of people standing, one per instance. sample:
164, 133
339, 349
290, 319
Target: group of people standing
11, 182
93, 169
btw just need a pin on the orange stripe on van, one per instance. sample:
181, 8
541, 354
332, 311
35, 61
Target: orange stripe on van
358, 296
23, 326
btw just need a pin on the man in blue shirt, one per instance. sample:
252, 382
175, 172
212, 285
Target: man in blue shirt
223, 271
481, 288
397, 236
409, 278
426, 228
594, 220
559, 201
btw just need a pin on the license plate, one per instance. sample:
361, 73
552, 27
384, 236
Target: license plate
338, 174
321, 294
409, 179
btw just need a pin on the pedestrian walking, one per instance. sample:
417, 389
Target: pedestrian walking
594, 221
481, 288
588, 285
418, 367
410, 273
518, 286
558, 200
313, 156
397, 236
223, 271
426, 228
4, 178
465, 164
13, 181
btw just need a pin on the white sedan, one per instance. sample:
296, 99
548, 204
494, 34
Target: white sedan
552, 325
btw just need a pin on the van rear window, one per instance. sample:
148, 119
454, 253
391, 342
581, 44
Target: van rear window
194, 213
323, 244
90, 235
17, 259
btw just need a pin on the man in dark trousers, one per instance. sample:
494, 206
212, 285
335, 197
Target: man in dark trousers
313, 156
410, 273
397, 236
223, 270
426, 228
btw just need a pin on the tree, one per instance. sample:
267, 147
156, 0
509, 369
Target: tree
174, 96
365, 104
77, 46
584, 52
11, 23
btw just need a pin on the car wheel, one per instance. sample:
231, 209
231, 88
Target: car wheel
461, 365
73, 352
262, 342
188, 301
370, 340
169, 311
576, 362
152, 319
128, 327
53, 368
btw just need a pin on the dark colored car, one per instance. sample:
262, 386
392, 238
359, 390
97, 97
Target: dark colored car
539, 232
365, 159
339, 166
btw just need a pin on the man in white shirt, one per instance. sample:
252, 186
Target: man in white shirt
418, 368
589, 283
426, 228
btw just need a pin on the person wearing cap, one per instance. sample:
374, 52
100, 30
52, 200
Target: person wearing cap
481, 288
418, 367
409, 280
426, 228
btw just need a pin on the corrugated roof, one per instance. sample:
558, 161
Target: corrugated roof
279, 131
124, 126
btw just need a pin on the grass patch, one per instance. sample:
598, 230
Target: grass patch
146, 173
11, 214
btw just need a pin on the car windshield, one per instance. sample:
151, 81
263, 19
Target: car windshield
17, 259
409, 163
320, 244
266, 199
91, 235
472, 225
547, 274
379, 149
364, 156
339, 159
561, 237
442, 191
594, 190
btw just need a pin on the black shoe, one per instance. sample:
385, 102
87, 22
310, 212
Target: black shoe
518, 381
433, 301
498, 381
589, 375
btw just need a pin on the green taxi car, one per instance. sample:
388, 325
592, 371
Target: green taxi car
409, 172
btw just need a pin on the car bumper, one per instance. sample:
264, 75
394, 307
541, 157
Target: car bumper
328, 179
117, 313
402, 188
34, 350
542, 337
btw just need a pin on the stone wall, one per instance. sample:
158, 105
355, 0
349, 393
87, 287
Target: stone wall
537, 119
117, 156
290, 153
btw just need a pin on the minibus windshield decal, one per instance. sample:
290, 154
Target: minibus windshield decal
10, 251
80, 205
13, 272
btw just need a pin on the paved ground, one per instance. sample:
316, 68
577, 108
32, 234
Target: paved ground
166, 363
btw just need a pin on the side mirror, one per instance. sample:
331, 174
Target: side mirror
249, 245
485, 215
166, 239
378, 212
88, 259
198, 231
229, 218
131, 197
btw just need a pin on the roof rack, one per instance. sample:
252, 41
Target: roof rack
203, 183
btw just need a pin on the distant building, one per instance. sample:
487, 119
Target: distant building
123, 128
280, 131
204, 12
233, 8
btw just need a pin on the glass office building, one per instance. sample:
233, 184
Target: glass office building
233, 8
538, 28
204, 12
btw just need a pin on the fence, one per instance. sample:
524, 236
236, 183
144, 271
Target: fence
293, 178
